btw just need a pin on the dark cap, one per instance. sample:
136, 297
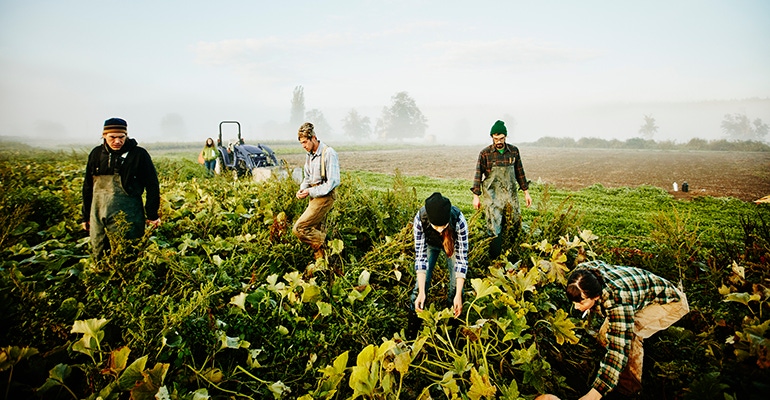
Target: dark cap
498, 127
438, 208
115, 125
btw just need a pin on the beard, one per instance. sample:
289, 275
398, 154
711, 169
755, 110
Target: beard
499, 146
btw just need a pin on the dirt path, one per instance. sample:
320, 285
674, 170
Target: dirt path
742, 175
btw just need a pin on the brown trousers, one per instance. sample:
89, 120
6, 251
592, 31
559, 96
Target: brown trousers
309, 226
647, 321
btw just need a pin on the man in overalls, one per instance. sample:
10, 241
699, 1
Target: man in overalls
117, 174
498, 170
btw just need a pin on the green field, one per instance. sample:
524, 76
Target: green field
222, 301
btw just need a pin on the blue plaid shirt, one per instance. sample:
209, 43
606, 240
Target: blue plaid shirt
461, 245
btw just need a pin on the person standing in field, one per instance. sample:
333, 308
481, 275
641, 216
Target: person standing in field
118, 172
439, 227
321, 178
636, 304
209, 155
498, 170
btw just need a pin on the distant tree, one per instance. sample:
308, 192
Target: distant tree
356, 126
321, 125
297, 106
739, 127
402, 120
649, 129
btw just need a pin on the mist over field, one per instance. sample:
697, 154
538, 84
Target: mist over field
563, 69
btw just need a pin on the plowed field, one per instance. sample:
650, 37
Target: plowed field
742, 175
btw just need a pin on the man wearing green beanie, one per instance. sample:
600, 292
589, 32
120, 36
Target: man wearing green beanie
498, 171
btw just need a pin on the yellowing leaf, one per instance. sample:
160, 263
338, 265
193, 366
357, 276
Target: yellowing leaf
239, 301
481, 386
483, 288
563, 328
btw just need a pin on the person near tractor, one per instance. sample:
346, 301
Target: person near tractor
438, 227
209, 156
498, 170
117, 173
635, 304
321, 178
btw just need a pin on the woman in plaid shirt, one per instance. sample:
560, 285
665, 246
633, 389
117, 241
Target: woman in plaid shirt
636, 304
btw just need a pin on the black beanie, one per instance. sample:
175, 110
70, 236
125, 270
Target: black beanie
115, 125
438, 208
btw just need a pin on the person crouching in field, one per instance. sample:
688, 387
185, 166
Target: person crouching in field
117, 174
635, 303
438, 226
322, 176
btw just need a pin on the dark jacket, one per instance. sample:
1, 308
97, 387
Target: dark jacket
137, 174
432, 237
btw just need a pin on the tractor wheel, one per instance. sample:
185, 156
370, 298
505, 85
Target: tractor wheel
241, 169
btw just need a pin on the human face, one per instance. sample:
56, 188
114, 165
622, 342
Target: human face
439, 229
498, 139
115, 140
586, 303
310, 145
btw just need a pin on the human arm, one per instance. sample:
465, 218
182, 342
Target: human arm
88, 192
527, 198
478, 176
592, 394
521, 177
419, 301
420, 261
461, 263
152, 187
457, 303
476, 201
619, 336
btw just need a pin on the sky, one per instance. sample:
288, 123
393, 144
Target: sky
587, 68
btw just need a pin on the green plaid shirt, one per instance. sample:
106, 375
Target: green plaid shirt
489, 157
627, 290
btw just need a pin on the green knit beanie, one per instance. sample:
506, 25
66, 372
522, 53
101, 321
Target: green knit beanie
498, 127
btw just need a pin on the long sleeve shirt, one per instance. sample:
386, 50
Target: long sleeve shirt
137, 175
627, 290
461, 244
321, 184
489, 157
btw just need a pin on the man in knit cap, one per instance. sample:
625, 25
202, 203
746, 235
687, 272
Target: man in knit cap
498, 170
321, 177
118, 172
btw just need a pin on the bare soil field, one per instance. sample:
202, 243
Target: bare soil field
741, 175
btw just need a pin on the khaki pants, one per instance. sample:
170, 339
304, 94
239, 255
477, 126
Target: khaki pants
647, 321
309, 227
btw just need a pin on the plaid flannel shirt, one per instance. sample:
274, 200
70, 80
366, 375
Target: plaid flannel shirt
489, 157
461, 246
627, 290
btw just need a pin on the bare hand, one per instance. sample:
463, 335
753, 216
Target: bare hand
154, 223
419, 302
85, 226
302, 194
457, 307
546, 397
527, 198
476, 202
